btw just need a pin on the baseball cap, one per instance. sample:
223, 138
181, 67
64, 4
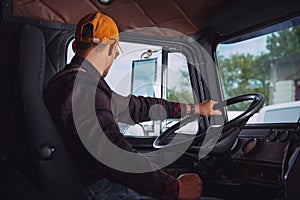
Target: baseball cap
104, 29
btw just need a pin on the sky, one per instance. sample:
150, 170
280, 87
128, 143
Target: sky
252, 46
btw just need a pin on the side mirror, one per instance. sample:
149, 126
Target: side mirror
144, 75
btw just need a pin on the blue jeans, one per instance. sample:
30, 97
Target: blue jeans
104, 189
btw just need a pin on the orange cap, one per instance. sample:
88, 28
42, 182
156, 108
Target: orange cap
105, 30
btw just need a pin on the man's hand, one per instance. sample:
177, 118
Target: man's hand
206, 109
190, 186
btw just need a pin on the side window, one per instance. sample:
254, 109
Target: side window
179, 83
134, 62
268, 64
147, 70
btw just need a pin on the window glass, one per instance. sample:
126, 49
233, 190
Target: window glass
179, 89
119, 77
268, 64
179, 84
138, 73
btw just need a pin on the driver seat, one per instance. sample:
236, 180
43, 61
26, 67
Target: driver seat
55, 175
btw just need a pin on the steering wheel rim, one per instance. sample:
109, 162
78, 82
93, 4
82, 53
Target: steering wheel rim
258, 100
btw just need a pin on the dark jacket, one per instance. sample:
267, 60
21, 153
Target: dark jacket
63, 95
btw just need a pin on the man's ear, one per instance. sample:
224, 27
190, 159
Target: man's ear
74, 46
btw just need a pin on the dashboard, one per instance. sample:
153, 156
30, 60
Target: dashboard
260, 152
263, 160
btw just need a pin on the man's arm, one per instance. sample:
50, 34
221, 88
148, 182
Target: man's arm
133, 109
138, 109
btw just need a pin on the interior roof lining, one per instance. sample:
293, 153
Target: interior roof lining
63, 12
150, 19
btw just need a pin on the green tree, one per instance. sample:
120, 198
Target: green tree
284, 43
243, 73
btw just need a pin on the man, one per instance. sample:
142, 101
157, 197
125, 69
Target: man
96, 42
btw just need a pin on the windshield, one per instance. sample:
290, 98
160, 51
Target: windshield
268, 64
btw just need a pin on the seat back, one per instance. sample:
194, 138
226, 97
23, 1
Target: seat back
53, 172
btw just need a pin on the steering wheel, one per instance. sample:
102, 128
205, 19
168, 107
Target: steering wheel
228, 132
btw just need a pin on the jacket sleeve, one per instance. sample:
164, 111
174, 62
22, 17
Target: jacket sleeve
135, 109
